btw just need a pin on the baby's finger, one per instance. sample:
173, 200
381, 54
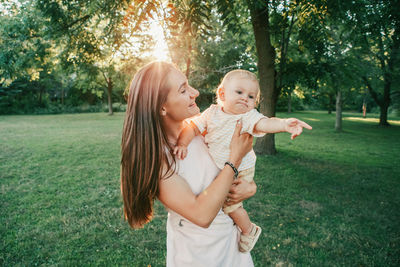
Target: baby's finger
305, 125
175, 150
297, 132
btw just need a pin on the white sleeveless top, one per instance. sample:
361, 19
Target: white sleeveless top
191, 245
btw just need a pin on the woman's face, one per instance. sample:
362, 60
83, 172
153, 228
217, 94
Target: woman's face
180, 103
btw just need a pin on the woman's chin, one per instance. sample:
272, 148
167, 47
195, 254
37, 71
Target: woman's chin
195, 110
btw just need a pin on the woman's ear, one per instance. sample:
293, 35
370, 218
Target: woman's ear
163, 111
221, 93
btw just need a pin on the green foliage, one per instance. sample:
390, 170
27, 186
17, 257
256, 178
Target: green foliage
296, 103
220, 52
70, 53
56, 55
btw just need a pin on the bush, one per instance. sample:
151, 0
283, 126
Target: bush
119, 107
394, 111
116, 107
282, 105
57, 108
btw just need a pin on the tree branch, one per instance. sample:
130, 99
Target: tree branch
105, 77
83, 19
284, 48
381, 55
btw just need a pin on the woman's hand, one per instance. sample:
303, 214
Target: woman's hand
241, 144
240, 190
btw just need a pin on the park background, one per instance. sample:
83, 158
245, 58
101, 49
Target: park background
329, 198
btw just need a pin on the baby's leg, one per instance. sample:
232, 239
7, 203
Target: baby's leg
242, 220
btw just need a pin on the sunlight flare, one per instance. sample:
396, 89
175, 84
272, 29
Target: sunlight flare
160, 50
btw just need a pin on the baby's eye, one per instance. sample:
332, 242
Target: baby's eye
239, 92
251, 97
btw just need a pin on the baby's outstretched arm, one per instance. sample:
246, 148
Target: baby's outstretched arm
276, 125
185, 137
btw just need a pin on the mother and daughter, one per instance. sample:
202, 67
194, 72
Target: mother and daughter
200, 180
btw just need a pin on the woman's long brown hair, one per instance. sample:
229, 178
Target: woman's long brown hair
144, 145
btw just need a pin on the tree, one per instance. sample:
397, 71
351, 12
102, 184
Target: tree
189, 19
330, 43
182, 21
26, 58
337, 57
93, 36
378, 45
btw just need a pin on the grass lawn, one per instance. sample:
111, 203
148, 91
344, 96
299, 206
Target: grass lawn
326, 199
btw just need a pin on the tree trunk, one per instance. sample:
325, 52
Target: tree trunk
62, 96
338, 123
40, 97
109, 92
265, 145
383, 116
188, 61
289, 108
386, 100
266, 70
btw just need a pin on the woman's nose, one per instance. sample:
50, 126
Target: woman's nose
194, 92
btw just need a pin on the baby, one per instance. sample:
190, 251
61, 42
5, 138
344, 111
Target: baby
237, 97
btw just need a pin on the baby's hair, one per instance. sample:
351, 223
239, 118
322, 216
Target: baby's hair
240, 74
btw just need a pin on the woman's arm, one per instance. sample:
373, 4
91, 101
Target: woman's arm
175, 193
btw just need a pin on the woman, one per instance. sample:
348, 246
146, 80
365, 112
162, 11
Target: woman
194, 189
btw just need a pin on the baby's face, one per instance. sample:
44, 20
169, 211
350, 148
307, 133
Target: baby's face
239, 95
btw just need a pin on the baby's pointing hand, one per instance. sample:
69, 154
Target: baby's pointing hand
295, 127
